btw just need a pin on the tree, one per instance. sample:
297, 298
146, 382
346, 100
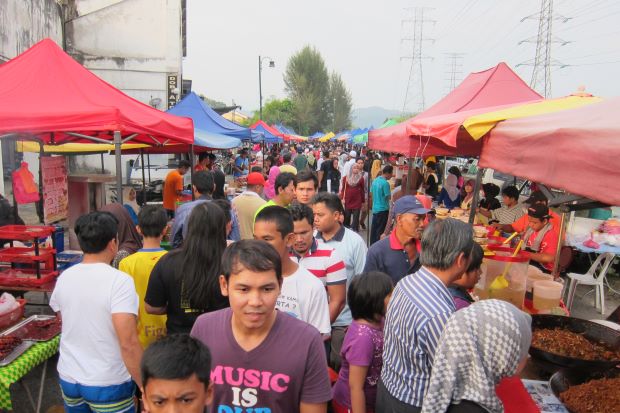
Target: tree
211, 102
341, 103
277, 111
307, 85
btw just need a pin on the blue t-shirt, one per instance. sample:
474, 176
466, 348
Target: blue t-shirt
380, 191
241, 164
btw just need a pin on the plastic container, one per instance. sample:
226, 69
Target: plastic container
68, 259
547, 295
59, 238
26, 277
12, 317
27, 255
535, 274
516, 275
26, 232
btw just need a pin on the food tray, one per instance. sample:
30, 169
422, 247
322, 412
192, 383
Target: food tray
26, 277
26, 254
20, 331
17, 351
26, 232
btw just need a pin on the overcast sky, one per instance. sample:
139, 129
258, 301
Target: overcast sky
361, 39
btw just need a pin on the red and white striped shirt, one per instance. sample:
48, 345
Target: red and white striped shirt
324, 262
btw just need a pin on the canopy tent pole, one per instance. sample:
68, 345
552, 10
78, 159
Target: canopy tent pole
148, 160
191, 169
143, 180
476, 200
102, 164
119, 166
409, 176
558, 251
39, 205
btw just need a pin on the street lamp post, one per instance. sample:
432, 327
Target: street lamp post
260, 87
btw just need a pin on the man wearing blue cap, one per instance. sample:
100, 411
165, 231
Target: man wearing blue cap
396, 255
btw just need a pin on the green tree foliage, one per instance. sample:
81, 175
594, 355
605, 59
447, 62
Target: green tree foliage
307, 85
341, 103
276, 111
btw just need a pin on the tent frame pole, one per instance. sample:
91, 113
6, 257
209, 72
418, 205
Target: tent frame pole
191, 169
476, 200
143, 178
119, 171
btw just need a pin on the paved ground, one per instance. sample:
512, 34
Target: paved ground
583, 307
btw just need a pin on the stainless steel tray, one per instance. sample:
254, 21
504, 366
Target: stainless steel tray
29, 320
17, 351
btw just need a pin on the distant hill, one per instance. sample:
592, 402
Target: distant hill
372, 116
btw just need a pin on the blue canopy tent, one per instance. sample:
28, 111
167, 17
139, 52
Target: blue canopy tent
207, 120
317, 135
262, 134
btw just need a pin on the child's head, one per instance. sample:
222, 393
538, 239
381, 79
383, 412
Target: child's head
251, 279
175, 375
368, 295
471, 276
274, 225
96, 233
152, 221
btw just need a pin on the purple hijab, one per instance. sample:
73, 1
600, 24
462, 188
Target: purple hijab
270, 185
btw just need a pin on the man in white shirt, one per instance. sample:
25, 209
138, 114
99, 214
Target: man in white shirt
302, 295
99, 347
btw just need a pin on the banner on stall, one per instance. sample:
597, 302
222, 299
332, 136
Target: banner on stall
55, 188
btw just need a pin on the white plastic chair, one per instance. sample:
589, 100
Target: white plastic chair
596, 277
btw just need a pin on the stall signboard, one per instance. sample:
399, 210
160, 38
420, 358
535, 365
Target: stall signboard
55, 188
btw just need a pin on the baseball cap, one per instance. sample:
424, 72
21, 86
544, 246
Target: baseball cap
353, 154
409, 204
256, 178
536, 196
538, 211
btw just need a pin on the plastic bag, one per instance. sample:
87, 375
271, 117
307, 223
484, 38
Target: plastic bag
7, 303
24, 187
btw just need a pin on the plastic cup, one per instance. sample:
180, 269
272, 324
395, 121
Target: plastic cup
547, 295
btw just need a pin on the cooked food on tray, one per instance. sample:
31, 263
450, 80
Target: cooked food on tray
568, 344
595, 396
7, 345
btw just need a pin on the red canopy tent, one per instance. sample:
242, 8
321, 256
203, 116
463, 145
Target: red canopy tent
576, 150
48, 96
261, 124
437, 130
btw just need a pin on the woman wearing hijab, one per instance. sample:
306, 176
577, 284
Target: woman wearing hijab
270, 190
129, 241
450, 196
353, 196
479, 346
130, 204
469, 195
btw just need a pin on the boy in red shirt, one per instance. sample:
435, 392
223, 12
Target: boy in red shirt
540, 239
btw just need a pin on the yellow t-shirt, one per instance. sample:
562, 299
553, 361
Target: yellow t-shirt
139, 267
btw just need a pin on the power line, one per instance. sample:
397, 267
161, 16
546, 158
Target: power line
415, 81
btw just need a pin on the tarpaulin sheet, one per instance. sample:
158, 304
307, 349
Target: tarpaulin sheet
576, 150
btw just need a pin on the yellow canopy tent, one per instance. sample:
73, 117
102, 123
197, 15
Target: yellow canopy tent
327, 137
30, 146
479, 125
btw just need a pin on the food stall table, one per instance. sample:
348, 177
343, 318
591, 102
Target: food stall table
13, 372
603, 248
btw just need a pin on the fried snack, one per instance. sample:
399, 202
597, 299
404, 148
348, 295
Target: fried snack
568, 344
7, 345
595, 396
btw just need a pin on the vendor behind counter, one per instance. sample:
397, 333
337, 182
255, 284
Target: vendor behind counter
540, 238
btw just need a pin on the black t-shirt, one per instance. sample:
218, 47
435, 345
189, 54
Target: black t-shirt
326, 168
164, 290
432, 189
334, 175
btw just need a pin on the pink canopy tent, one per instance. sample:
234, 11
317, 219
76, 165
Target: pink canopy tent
437, 130
46, 95
576, 150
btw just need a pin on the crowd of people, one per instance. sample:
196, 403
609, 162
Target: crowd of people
273, 302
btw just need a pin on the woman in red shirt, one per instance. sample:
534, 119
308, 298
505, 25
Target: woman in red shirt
352, 193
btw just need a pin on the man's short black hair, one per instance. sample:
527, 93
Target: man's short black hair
226, 207
279, 216
283, 180
152, 220
307, 175
212, 156
252, 254
176, 357
243, 152
301, 212
388, 169
204, 182
331, 201
325, 154
95, 231
257, 169
366, 295
183, 163
286, 157
475, 258
511, 192
202, 156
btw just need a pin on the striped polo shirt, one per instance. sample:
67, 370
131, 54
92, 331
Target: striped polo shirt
420, 307
324, 262
506, 215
